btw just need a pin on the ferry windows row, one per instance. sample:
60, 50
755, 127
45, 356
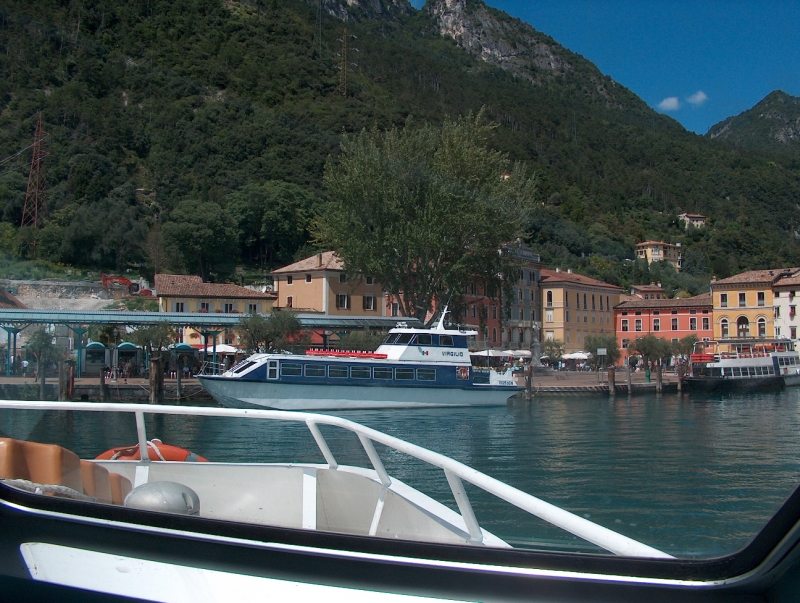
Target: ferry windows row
787, 361
290, 369
752, 371
418, 339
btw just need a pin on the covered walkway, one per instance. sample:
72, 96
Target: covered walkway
13, 320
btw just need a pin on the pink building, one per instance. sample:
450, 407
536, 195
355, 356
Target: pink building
670, 319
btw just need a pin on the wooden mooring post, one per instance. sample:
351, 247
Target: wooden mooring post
156, 382
628, 378
612, 381
63, 380
178, 388
659, 381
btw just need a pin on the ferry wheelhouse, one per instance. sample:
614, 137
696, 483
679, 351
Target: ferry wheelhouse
743, 364
412, 367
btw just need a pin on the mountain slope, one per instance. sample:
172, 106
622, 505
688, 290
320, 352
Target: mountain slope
771, 125
164, 112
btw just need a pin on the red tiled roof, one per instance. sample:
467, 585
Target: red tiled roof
7, 300
755, 276
789, 281
327, 260
181, 285
656, 288
553, 276
703, 300
656, 243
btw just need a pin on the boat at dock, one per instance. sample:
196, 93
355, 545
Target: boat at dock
743, 365
413, 367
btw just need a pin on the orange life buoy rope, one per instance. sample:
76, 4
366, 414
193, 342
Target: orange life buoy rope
156, 451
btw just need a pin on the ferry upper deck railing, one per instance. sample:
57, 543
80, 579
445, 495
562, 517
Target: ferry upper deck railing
455, 472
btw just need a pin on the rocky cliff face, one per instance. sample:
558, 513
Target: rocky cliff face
351, 10
515, 46
772, 124
498, 39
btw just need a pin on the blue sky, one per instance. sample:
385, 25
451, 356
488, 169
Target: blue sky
698, 61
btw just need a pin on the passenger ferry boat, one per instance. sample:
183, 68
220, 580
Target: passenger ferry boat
743, 364
412, 367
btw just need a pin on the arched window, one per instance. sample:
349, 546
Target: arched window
494, 334
723, 325
762, 327
743, 327
549, 298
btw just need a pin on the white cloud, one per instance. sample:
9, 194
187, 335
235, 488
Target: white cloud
671, 103
698, 98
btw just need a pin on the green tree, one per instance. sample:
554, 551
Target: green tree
153, 337
604, 340
651, 348
203, 235
273, 220
274, 332
424, 209
685, 346
41, 345
553, 349
367, 341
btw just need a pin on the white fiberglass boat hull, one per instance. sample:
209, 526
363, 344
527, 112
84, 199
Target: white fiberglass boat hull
236, 393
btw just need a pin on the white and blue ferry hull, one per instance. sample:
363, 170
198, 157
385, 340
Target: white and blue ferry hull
236, 393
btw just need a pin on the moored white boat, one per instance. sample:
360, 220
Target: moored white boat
412, 368
743, 364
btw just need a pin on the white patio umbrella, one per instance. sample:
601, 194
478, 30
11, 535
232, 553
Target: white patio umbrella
576, 356
492, 353
518, 353
222, 348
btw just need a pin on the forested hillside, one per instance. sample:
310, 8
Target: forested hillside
192, 135
772, 126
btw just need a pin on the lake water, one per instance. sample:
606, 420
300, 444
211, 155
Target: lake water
696, 476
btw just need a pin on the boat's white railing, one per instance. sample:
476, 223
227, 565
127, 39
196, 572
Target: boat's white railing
212, 368
454, 471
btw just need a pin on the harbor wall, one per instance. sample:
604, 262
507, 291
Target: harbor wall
116, 392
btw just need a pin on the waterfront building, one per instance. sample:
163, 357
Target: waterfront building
511, 323
319, 284
744, 303
669, 319
696, 220
651, 291
659, 251
185, 293
576, 306
786, 294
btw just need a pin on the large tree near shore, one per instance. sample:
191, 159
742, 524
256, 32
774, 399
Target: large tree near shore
425, 209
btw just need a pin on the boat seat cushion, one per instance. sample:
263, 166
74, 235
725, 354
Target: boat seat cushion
40, 463
96, 481
53, 465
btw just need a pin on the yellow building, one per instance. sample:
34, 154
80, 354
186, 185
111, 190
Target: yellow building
576, 306
319, 284
659, 251
182, 293
743, 304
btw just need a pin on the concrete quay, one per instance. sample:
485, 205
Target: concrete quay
557, 383
588, 382
88, 389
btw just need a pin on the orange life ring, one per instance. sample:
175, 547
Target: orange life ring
463, 372
156, 451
